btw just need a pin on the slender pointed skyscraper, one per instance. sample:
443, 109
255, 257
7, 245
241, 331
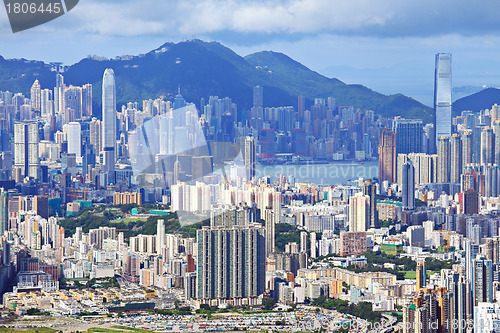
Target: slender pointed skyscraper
442, 95
108, 118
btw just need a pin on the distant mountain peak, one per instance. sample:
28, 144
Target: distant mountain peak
476, 102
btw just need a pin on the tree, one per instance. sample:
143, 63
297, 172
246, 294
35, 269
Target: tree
319, 301
268, 303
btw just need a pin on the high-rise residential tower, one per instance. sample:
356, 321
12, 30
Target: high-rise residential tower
456, 158
421, 275
387, 156
482, 280
46, 104
370, 189
250, 157
87, 100
160, 235
231, 261
442, 95
4, 210
312, 237
496, 131
443, 172
467, 144
270, 225
301, 108
26, 148
96, 134
487, 146
359, 208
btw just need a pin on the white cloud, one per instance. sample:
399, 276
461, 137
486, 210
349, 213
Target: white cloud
358, 17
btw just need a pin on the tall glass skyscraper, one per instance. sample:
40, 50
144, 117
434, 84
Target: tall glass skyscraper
442, 95
408, 186
409, 135
108, 110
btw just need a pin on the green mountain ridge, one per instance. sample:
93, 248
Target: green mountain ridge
202, 69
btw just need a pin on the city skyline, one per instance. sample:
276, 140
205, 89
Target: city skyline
192, 189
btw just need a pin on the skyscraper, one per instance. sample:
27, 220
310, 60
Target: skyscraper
250, 157
270, 225
36, 96
75, 139
469, 202
456, 158
73, 100
467, 143
46, 104
370, 190
442, 95
387, 156
301, 107
443, 172
487, 146
421, 275
303, 242
26, 148
408, 185
231, 261
359, 208
87, 100
108, 111
258, 97
482, 280
59, 94
471, 251
496, 133
312, 237
160, 235
409, 135
96, 134
4, 210
429, 139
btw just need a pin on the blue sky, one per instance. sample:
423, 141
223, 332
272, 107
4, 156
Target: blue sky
388, 45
